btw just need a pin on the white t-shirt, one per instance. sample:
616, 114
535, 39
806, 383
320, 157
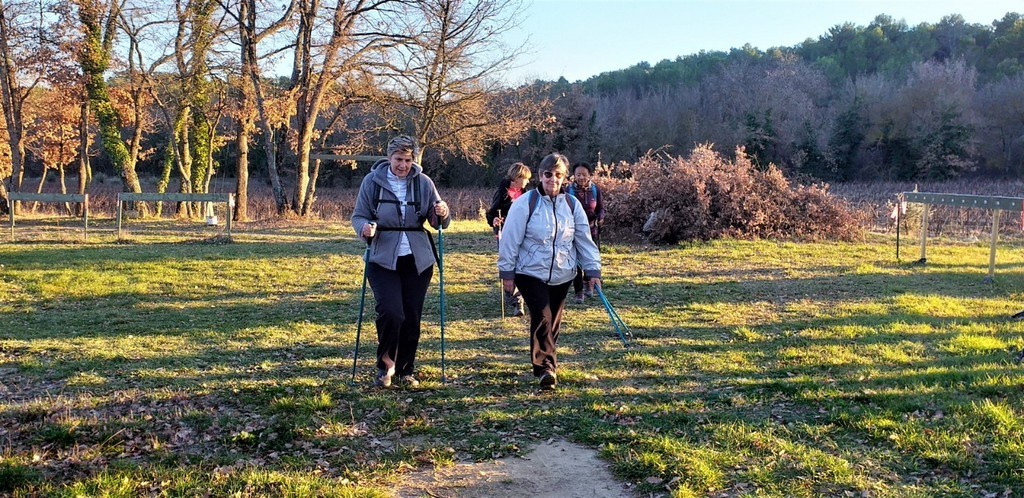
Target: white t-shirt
398, 186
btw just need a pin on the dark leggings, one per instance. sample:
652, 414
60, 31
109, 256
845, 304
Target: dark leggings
577, 283
546, 304
399, 295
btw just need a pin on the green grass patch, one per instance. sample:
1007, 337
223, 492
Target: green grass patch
158, 367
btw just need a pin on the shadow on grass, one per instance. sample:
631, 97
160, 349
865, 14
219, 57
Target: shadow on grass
236, 387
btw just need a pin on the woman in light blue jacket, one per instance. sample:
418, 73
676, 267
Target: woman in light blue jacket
546, 235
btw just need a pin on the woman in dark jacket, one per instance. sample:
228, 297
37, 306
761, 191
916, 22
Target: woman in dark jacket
394, 201
585, 190
510, 188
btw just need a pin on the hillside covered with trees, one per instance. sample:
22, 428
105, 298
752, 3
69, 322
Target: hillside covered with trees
882, 101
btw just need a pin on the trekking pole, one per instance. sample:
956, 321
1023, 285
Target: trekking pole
501, 286
620, 327
362, 304
440, 278
501, 296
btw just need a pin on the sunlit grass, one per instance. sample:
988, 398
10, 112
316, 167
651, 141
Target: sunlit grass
757, 368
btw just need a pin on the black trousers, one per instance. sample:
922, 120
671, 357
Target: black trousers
580, 280
399, 295
577, 283
546, 304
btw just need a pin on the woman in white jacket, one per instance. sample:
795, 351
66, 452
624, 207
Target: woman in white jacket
544, 239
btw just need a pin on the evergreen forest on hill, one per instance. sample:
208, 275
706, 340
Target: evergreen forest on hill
882, 101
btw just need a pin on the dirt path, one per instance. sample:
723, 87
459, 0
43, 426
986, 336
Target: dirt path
554, 469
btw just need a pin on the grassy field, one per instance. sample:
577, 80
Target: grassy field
168, 366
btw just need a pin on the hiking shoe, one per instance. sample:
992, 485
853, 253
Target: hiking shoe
408, 381
548, 380
518, 310
580, 298
382, 379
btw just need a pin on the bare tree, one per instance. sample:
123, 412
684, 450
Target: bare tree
20, 56
356, 33
1001, 107
250, 36
447, 81
252, 29
173, 56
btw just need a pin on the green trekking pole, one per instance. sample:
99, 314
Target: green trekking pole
440, 278
362, 305
620, 327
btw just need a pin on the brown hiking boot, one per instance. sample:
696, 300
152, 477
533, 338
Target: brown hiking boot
408, 381
382, 379
548, 380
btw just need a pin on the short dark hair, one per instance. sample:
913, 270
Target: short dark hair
590, 168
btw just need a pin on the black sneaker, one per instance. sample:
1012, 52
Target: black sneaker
382, 379
408, 380
548, 380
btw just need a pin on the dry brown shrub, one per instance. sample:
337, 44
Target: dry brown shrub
706, 196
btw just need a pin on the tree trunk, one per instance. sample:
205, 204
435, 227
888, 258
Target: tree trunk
12, 94
39, 189
165, 175
5, 208
84, 174
64, 188
99, 29
250, 62
245, 126
110, 135
182, 130
311, 192
300, 203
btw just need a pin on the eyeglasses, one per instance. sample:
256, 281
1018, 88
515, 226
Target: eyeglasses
556, 174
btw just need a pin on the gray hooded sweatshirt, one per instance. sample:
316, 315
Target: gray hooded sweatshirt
384, 247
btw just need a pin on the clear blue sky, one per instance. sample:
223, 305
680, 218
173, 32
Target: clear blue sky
578, 39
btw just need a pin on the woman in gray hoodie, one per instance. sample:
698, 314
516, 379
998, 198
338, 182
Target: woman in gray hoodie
546, 235
394, 201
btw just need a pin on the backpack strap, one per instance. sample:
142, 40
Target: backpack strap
433, 248
378, 194
572, 190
